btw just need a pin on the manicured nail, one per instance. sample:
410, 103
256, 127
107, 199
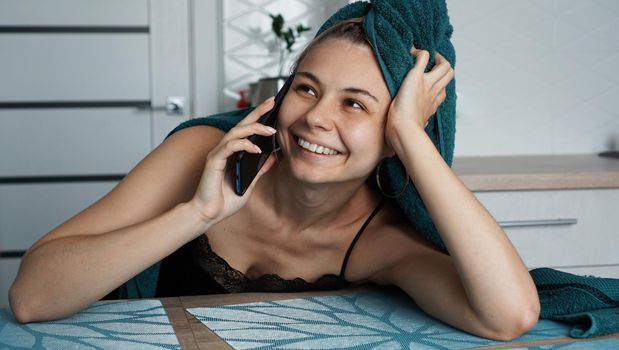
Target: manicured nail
271, 130
258, 149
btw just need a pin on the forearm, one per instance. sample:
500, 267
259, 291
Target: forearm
495, 279
64, 275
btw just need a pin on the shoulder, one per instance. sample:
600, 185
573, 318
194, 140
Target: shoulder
197, 134
165, 177
388, 241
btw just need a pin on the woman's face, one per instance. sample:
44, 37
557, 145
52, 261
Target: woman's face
338, 100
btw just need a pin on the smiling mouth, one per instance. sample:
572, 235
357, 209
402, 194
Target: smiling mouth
314, 148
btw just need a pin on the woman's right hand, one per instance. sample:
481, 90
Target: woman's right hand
215, 198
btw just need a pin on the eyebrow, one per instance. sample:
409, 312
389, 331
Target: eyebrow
353, 90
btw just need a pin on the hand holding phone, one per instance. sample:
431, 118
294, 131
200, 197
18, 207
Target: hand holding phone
244, 166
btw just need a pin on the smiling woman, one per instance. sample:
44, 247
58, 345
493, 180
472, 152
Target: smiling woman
312, 218
332, 104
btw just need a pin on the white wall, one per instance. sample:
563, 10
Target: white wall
533, 76
536, 76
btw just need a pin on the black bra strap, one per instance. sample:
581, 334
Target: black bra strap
354, 241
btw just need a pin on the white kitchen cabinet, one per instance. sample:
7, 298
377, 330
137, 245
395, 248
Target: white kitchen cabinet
587, 247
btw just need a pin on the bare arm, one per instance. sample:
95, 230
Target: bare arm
175, 194
139, 222
495, 281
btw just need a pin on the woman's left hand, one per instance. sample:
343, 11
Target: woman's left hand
419, 96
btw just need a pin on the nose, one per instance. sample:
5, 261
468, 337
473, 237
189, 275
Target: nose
320, 115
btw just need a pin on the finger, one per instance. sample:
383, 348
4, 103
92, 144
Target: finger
440, 69
439, 99
262, 108
422, 58
243, 131
443, 81
218, 159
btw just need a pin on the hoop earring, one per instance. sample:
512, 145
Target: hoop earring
276, 148
381, 188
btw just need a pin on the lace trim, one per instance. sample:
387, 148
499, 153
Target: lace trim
234, 281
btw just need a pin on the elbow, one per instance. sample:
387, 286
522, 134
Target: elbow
525, 320
19, 308
26, 306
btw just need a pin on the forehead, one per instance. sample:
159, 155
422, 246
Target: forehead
341, 62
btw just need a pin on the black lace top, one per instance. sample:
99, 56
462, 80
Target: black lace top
195, 269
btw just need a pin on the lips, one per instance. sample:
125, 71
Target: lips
315, 147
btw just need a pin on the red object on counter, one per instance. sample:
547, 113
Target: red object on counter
242, 103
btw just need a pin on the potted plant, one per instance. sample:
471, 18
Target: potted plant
285, 39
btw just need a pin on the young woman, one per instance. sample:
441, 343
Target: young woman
296, 226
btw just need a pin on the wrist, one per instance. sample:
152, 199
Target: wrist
196, 215
400, 137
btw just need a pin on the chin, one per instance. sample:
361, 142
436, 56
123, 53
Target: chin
317, 176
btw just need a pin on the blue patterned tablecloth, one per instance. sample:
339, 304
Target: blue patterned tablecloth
361, 320
140, 324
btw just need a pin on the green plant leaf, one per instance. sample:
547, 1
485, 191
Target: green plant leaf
277, 24
301, 28
289, 38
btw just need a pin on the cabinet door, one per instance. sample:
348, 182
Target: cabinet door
28, 211
593, 240
74, 13
72, 141
74, 67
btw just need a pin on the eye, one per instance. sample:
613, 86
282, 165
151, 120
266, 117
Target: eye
354, 104
306, 89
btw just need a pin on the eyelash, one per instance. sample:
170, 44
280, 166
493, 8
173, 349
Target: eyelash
304, 88
361, 106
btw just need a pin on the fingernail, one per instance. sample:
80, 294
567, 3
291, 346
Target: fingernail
271, 130
258, 149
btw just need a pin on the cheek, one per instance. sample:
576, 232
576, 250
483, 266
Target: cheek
287, 114
367, 139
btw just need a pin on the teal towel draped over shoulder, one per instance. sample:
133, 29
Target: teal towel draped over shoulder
393, 26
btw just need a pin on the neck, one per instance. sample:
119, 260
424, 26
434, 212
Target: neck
299, 206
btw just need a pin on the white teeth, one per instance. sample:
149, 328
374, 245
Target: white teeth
316, 148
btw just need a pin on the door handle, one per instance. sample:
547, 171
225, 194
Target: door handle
174, 105
547, 222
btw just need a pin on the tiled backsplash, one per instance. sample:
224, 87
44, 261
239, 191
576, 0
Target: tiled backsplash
533, 76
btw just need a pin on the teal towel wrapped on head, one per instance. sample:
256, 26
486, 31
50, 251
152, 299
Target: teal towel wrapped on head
393, 27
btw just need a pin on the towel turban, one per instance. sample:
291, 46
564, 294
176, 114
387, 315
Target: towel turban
393, 27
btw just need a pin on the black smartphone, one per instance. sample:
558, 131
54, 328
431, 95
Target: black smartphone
245, 165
